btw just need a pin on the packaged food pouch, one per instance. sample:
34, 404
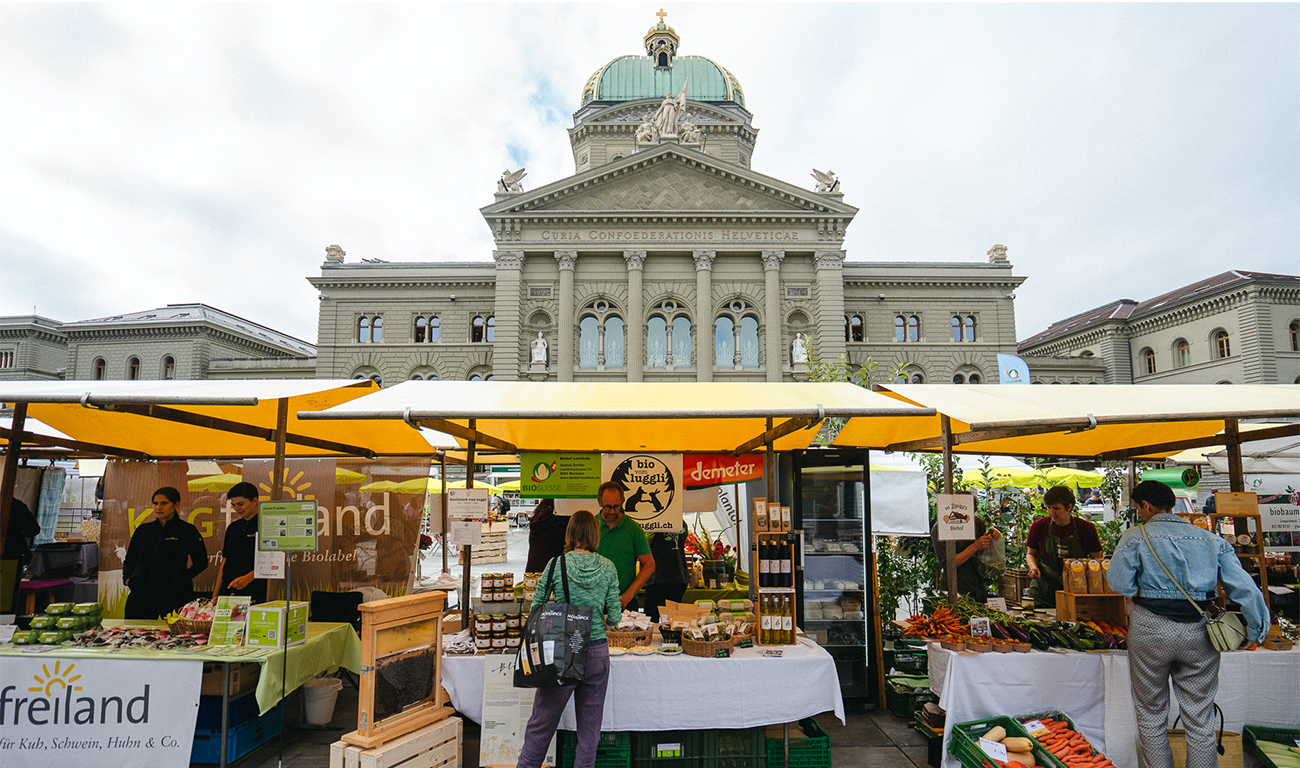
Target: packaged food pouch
1105, 582
1076, 577
1096, 578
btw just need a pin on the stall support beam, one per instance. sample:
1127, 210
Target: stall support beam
786, 427
469, 435
950, 546
10, 479
1236, 473
226, 425
468, 612
1285, 430
29, 438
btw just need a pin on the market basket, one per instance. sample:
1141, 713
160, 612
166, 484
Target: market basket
628, 638
1253, 734
707, 649
190, 627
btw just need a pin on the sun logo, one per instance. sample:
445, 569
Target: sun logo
65, 679
291, 487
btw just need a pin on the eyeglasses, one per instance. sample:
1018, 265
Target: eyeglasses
609, 507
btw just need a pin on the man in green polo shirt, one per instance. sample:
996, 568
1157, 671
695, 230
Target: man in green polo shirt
624, 543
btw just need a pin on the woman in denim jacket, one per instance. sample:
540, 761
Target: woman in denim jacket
1167, 636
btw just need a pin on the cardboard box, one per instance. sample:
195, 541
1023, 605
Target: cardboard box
243, 677
266, 625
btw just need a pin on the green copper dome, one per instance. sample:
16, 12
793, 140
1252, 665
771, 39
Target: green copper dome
629, 78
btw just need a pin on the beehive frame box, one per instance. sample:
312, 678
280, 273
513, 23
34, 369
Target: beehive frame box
266, 625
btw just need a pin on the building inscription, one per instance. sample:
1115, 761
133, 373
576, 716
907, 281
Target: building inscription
668, 235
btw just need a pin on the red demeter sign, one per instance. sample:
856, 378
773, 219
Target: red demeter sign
704, 469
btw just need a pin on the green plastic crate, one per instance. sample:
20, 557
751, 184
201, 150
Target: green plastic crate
655, 749
811, 752
965, 743
903, 700
1255, 733
614, 750
734, 748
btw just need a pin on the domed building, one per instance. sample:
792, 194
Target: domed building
664, 257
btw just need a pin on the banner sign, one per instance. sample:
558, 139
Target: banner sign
366, 531
652, 487
287, 526
1279, 510
61, 711
544, 475
468, 503
956, 516
706, 469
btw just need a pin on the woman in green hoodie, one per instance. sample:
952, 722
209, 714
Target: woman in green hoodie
593, 583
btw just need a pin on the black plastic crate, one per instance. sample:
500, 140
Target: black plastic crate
734, 748
667, 749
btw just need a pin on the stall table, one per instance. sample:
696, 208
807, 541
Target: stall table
1256, 687
654, 693
328, 646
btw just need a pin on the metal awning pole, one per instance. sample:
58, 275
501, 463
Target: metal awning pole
443, 479
950, 546
467, 552
10, 479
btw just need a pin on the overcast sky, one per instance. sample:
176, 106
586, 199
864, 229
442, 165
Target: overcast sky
166, 153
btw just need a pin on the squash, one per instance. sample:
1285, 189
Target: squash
1024, 758
1018, 744
997, 734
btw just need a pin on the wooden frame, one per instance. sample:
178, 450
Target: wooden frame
392, 630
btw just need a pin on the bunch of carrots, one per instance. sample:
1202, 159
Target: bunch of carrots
1070, 747
944, 621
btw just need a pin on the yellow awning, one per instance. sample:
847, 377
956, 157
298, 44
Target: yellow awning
210, 418
1083, 421
611, 417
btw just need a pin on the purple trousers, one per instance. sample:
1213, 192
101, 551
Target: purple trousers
589, 709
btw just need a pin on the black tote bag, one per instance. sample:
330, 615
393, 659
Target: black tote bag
553, 651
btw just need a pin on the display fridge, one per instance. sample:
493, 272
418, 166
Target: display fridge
834, 592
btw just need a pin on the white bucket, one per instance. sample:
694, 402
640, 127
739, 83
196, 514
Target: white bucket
318, 697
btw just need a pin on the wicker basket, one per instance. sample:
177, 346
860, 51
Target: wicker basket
704, 648
190, 627
627, 638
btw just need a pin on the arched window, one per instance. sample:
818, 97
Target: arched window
435, 330
668, 337
974, 379
377, 330
614, 342
491, 330
681, 342
853, 328
1182, 353
477, 331
957, 378
588, 342
426, 329
913, 328
915, 377
900, 328
169, 367
656, 343
956, 333
749, 342
1148, 361
100, 369
969, 333
1221, 345
363, 330
1294, 332
133, 368
724, 342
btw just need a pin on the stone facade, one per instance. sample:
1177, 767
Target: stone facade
1237, 327
32, 348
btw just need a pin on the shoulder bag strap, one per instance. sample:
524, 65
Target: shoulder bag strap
1170, 575
548, 590
564, 576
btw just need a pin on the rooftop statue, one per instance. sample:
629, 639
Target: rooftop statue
646, 133
509, 181
687, 133
669, 113
826, 182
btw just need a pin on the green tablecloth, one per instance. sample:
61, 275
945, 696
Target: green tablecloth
730, 592
328, 647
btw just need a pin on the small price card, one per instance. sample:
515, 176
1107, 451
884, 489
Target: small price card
979, 627
994, 749
997, 603
1036, 728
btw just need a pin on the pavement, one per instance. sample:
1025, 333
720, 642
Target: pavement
870, 739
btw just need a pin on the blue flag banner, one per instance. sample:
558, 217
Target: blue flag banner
1012, 370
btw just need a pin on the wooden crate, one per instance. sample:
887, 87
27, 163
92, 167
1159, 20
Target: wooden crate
1107, 608
1014, 583
483, 555
434, 746
400, 631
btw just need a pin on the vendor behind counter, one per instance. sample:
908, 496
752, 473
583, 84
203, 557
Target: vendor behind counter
1053, 539
969, 579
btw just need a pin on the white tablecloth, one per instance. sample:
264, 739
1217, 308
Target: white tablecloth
651, 693
1255, 687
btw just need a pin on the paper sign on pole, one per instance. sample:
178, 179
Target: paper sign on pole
464, 533
956, 516
468, 503
268, 565
1236, 503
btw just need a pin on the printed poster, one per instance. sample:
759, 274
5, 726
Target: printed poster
653, 487
97, 711
1279, 510
506, 710
956, 516
230, 622
708, 469
545, 475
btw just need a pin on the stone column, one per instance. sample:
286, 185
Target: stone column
704, 314
1115, 350
830, 304
772, 323
1254, 344
508, 303
634, 354
568, 260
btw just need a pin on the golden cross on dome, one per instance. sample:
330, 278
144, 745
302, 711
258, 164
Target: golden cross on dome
661, 15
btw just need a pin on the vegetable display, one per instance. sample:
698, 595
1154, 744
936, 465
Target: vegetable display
1069, 746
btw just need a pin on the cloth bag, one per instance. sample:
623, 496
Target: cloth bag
1229, 745
553, 650
1226, 631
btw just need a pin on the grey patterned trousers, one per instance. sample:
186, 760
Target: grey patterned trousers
1160, 649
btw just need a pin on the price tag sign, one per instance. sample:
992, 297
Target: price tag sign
979, 627
1036, 728
721, 653
997, 604
464, 533
748, 642
994, 749
956, 516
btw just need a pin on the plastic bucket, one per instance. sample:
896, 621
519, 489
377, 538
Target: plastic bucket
318, 697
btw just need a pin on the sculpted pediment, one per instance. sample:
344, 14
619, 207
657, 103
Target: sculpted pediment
670, 179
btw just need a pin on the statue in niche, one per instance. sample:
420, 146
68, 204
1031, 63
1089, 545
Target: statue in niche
538, 348
799, 350
510, 180
826, 182
669, 113
645, 133
687, 133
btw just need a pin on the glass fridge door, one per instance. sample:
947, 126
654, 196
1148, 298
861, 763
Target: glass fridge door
835, 585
